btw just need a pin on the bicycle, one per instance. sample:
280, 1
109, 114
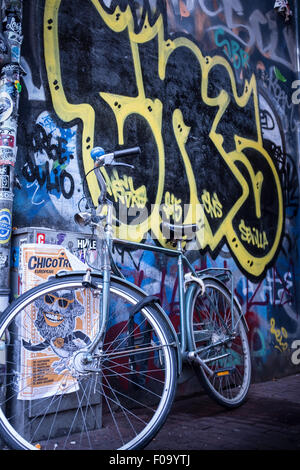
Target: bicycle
113, 386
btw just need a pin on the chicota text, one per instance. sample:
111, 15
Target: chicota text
46, 262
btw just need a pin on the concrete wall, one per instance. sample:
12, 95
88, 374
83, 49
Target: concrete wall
205, 88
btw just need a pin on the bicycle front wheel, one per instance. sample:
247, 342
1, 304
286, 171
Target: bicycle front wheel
50, 399
222, 346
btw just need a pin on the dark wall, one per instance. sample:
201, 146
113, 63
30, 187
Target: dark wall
205, 88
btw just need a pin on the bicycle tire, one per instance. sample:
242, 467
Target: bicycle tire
210, 321
123, 406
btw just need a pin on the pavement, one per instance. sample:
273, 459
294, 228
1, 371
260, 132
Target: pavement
268, 420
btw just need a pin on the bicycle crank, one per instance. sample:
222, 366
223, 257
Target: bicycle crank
192, 356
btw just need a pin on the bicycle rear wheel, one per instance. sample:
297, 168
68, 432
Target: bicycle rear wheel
50, 400
225, 352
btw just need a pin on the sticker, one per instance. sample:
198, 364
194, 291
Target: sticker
13, 27
10, 72
83, 243
6, 106
42, 265
4, 178
45, 353
15, 53
7, 138
7, 156
15, 257
6, 196
40, 238
3, 260
5, 225
5, 192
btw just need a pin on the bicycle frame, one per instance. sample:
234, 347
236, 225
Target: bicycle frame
194, 277
184, 327
186, 293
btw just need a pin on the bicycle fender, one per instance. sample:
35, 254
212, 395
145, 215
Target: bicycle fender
192, 287
150, 299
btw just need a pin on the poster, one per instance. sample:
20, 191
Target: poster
55, 326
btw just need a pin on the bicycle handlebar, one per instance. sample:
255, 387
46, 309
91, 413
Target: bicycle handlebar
134, 151
102, 159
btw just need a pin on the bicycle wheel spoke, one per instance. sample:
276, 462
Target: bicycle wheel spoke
119, 400
79, 411
130, 372
211, 322
132, 399
122, 331
137, 384
125, 411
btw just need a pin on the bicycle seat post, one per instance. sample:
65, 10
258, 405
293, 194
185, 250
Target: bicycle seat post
179, 245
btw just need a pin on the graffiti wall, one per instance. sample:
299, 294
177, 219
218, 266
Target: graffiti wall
208, 89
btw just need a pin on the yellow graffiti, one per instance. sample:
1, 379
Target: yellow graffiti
172, 207
122, 189
212, 204
253, 236
279, 334
151, 110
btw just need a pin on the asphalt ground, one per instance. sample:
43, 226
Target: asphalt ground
199, 432
268, 420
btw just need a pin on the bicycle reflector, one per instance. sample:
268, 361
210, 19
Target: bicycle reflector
221, 373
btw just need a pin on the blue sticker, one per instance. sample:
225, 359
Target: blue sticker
5, 225
15, 256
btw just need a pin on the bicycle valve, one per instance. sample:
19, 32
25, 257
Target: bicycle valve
87, 277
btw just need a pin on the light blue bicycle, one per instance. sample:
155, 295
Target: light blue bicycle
111, 384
